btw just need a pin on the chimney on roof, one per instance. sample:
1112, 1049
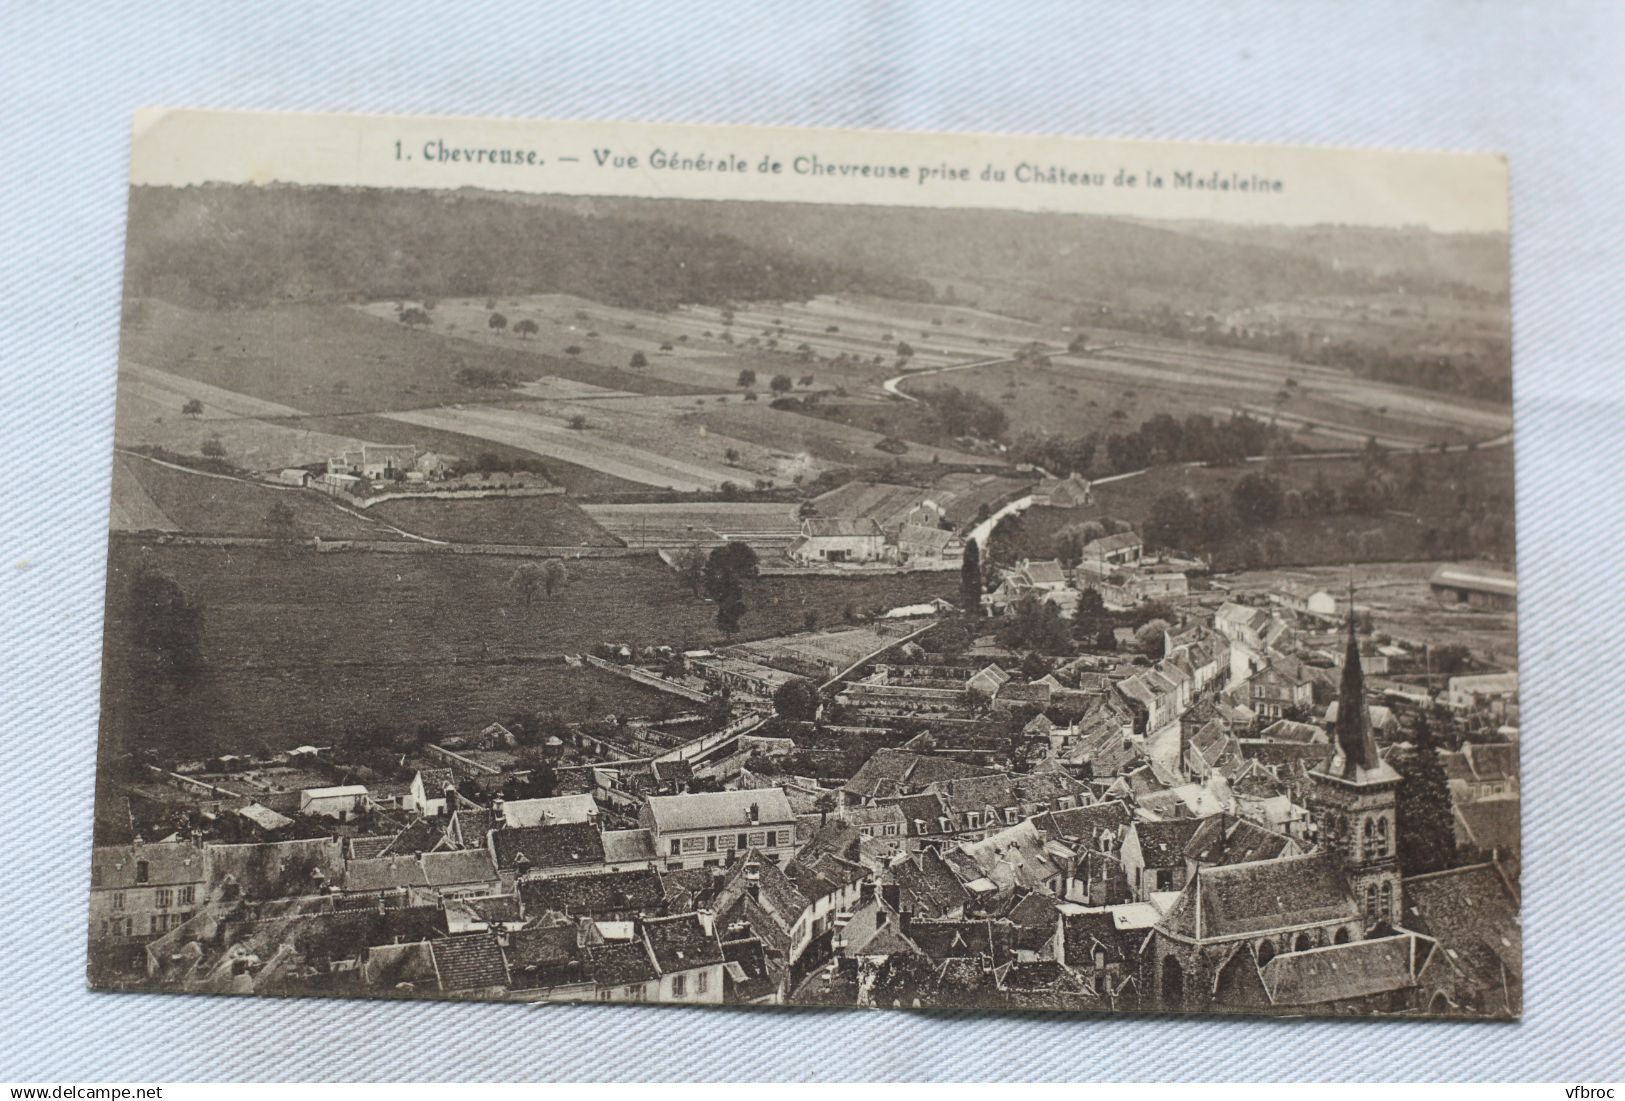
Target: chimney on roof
753, 881
754, 814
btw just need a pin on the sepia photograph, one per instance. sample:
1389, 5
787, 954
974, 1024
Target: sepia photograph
787, 568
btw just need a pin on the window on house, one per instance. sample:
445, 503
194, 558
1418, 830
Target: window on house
1387, 901
155, 923
974, 820
141, 871
702, 982
711, 844
164, 897
1371, 904
606, 995
118, 900
186, 896
743, 841
679, 986
95, 875
676, 847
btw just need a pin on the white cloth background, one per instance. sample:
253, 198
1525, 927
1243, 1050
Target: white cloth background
1540, 80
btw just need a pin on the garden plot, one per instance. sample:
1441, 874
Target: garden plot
545, 434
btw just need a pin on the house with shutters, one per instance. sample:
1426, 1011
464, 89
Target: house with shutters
705, 829
141, 891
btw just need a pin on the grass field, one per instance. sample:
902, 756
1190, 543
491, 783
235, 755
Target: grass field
151, 496
298, 643
553, 521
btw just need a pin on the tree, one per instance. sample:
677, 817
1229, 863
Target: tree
747, 377
1257, 499
1151, 638
213, 448
638, 361
526, 328
526, 582
970, 580
578, 422
1068, 548
733, 561
781, 384
1035, 624
193, 408
691, 570
1090, 616
1175, 520
281, 523
496, 321
1424, 819
951, 637
414, 317
554, 576
165, 630
796, 699
730, 598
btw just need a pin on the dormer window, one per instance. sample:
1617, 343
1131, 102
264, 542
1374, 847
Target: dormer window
141, 871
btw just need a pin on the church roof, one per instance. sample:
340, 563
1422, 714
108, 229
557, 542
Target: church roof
1243, 899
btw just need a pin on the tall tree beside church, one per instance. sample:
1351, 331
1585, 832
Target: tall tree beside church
1427, 833
970, 579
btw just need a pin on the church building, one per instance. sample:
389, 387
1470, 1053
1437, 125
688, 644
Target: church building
1245, 935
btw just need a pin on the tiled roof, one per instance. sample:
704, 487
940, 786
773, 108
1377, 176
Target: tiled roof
1491, 824
470, 962
548, 846
1162, 844
1239, 899
1340, 972
418, 837
681, 943
926, 886
834, 527
276, 869
621, 964
1083, 932
545, 957
892, 772
458, 868
167, 864
720, 810
626, 846
1224, 839
1473, 913
637, 892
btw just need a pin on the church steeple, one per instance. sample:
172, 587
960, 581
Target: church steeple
1352, 798
1356, 745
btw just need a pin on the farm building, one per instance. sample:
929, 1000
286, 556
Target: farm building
1306, 599
1464, 693
1111, 552
735, 674
295, 477
1073, 491
921, 545
375, 461
333, 802
1475, 587
827, 539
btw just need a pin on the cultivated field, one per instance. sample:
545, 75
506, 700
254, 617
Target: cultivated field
553, 521
667, 525
294, 638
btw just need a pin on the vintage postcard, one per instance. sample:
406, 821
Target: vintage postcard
653, 563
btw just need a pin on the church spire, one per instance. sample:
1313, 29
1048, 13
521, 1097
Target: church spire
1356, 745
